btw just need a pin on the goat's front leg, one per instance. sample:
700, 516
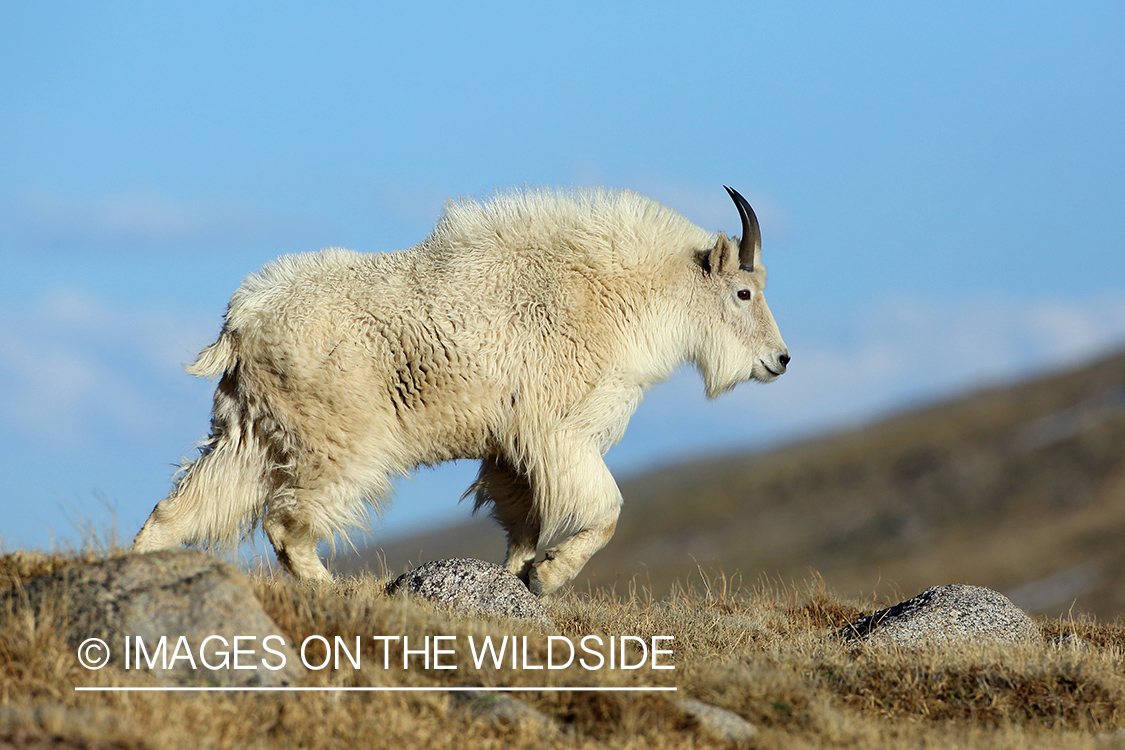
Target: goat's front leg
580, 492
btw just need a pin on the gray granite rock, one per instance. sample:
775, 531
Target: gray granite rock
1071, 641
168, 594
473, 587
718, 723
60, 727
1112, 739
944, 615
503, 709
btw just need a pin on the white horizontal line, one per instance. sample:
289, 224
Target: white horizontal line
288, 689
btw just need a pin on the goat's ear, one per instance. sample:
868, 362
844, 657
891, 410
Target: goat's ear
702, 259
724, 256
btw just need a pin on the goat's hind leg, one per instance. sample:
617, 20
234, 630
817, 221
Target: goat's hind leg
511, 497
167, 527
214, 502
294, 542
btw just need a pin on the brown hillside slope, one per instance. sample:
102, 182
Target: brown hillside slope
1019, 488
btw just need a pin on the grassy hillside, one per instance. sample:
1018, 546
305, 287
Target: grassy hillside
766, 654
1019, 488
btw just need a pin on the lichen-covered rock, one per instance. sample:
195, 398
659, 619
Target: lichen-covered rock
186, 597
473, 587
61, 727
943, 615
1071, 641
504, 710
719, 723
1113, 739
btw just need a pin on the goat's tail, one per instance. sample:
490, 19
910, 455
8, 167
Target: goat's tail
216, 359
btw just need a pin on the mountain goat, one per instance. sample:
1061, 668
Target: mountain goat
522, 332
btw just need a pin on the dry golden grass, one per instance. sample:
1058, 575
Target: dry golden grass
763, 652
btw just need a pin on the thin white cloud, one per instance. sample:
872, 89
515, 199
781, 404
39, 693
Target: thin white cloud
50, 219
411, 204
76, 369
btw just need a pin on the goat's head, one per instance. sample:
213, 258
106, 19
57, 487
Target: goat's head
740, 339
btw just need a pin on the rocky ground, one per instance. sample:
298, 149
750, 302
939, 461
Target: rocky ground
367, 663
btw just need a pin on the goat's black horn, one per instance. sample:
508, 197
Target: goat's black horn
751, 234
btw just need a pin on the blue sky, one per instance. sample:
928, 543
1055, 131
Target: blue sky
940, 188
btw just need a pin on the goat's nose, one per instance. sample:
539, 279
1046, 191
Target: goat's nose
784, 359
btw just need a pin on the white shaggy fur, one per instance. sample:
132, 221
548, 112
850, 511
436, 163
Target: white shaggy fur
523, 332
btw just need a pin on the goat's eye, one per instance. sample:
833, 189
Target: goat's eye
745, 294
